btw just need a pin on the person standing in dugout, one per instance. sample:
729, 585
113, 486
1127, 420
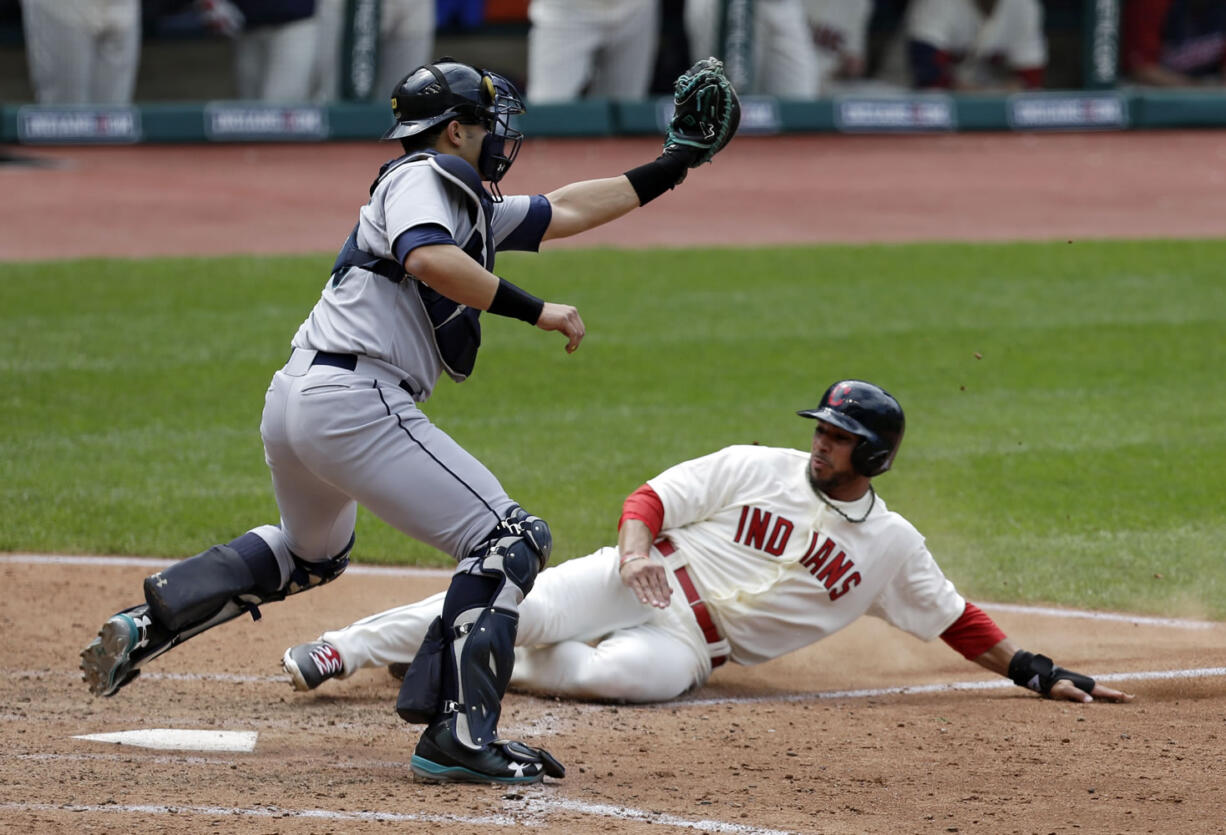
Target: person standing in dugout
342, 422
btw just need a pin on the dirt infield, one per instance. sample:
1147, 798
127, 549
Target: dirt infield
780, 748
824, 740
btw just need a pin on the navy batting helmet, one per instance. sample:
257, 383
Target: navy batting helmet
448, 89
868, 411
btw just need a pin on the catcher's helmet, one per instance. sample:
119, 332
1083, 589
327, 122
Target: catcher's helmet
868, 411
447, 89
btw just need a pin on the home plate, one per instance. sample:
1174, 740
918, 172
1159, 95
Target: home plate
175, 739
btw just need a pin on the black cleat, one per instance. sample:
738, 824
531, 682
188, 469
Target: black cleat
440, 758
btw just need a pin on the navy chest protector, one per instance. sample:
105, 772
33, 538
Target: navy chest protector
457, 327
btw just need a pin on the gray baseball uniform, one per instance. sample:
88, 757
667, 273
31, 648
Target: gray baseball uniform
334, 435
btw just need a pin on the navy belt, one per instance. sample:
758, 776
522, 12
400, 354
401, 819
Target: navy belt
349, 362
345, 361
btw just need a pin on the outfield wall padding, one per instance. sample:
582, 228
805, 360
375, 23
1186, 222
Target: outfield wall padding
236, 121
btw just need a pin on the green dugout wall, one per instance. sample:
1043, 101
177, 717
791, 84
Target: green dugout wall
227, 121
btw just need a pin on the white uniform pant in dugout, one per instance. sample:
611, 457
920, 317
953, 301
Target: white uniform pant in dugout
605, 46
333, 436
82, 51
784, 57
582, 633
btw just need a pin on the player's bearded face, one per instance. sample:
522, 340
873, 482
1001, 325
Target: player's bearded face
830, 461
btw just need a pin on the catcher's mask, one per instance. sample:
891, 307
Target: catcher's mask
448, 89
868, 411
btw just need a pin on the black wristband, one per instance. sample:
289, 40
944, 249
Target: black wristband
1039, 673
516, 303
658, 176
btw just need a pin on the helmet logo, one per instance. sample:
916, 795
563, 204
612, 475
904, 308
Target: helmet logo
839, 394
487, 87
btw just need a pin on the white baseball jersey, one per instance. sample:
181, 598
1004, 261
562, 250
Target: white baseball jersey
840, 29
780, 569
1013, 30
775, 565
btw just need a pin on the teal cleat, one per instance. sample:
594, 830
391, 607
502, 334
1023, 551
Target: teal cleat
106, 662
441, 758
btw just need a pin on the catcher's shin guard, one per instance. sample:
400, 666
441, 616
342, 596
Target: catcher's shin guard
460, 673
488, 586
232, 579
192, 596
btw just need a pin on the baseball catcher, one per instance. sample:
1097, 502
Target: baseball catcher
344, 423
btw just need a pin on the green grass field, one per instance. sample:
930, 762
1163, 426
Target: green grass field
1065, 402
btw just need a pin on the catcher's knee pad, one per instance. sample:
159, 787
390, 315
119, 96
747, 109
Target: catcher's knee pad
516, 550
230, 579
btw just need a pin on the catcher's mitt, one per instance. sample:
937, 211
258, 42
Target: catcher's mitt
707, 112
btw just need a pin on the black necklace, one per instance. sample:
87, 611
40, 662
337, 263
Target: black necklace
872, 501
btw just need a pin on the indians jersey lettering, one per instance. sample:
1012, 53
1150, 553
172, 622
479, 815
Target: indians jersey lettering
780, 569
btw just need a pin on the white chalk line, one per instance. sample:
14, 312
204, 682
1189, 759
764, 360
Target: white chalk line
128, 756
821, 695
415, 571
534, 803
660, 818
917, 689
1143, 620
263, 812
155, 562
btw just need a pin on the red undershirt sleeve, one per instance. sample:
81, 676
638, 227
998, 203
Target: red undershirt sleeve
974, 633
644, 504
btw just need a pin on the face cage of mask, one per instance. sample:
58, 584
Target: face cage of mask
501, 144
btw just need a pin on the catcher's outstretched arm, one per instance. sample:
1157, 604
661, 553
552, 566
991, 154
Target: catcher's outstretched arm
585, 205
